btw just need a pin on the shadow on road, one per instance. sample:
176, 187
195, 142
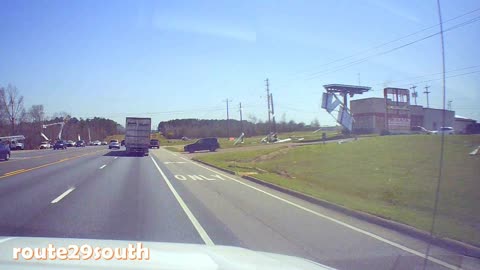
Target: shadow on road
120, 153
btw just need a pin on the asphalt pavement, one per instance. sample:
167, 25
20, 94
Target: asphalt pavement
94, 192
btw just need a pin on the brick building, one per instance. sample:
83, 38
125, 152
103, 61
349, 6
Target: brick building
369, 115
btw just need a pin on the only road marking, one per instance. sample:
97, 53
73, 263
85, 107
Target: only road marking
45, 165
103, 166
63, 195
203, 234
198, 177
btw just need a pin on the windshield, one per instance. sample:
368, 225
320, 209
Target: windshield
343, 132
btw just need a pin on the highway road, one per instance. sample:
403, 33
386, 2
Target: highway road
96, 193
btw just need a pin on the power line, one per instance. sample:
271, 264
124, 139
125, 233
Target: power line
268, 101
414, 93
387, 43
426, 75
438, 79
359, 61
228, 132
273, 114
241, 119
426, 92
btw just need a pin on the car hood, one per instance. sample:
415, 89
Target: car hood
162, 256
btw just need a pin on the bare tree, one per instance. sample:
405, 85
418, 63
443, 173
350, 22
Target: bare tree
252, 118
12, 103
36, 113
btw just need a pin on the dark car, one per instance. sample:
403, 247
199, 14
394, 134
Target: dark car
154, 144
60, 145
210, 144
4, 151
80, 143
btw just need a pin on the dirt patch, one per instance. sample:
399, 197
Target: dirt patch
272, 155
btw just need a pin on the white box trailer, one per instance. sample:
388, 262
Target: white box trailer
137, 135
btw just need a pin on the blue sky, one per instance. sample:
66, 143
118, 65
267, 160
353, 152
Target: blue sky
179, 59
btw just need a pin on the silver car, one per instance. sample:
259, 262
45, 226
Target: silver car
114, 144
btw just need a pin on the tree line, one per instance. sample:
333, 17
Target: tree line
198, 128
15, 119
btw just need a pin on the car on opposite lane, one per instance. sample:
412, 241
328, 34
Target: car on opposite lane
45, 145
17, 145
114, 144
70, 143
60, 144
210, 144
4, 151
80, 143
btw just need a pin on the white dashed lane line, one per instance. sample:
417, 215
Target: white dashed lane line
63, 195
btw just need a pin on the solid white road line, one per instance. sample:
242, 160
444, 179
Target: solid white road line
377, 237
203, 234
115, 157
6, 239
63, 195
103, 166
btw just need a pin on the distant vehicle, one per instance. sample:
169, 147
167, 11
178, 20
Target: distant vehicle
70, 143
80, 143
60, 144
446, 130
45, 145
154, 143
4, 151
16, 145
114, 144
104, 143
137, 135
210, 144
97, 143
122, 143
421, 130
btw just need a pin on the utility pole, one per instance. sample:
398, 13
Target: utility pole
427, 92
414, 93
241, 119
268, 101
273, 114
228, 133
449, 105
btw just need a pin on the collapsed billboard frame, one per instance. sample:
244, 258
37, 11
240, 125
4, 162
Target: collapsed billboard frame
330, 101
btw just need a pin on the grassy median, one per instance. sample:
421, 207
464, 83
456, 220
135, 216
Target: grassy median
392, 176
177, 145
